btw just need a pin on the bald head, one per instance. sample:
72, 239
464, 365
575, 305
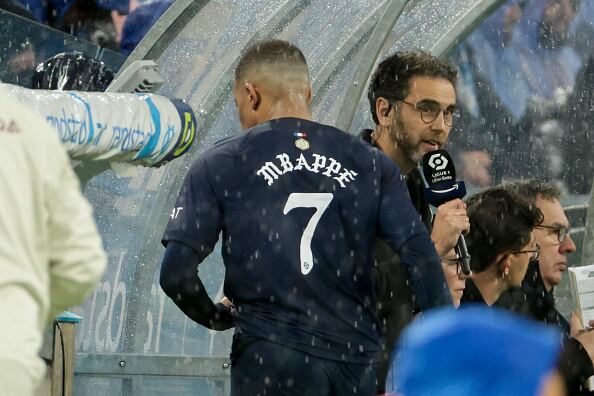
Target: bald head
272, 81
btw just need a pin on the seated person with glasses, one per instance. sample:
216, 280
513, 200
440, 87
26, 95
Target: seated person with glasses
535, 298
501, 223
501, 243
455, 278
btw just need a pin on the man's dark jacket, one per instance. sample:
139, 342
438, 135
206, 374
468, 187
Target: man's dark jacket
533, 300
394, 294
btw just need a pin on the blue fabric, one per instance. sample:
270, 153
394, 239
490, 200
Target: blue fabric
121, 6
473, 351
42, 8
260, 367
523, 69
37, 7
139, 22
545, 69
585, 15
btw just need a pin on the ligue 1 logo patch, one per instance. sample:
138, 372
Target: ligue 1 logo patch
438, 161
302, 143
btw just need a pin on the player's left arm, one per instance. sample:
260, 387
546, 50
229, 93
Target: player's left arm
402, 228
190, 237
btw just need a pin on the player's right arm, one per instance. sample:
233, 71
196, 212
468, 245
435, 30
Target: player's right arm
402, 228
192, 232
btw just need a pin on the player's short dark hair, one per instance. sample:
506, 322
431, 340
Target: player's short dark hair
391, 79
264, 53
500, 221
533, 189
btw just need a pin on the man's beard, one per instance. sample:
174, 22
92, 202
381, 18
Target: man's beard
402, 140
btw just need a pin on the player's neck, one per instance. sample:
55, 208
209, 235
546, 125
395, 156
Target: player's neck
281, 110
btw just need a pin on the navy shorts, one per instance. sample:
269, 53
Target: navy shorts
260, 367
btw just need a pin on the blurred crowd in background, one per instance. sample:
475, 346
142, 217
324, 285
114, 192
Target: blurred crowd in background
114, 24
526, 92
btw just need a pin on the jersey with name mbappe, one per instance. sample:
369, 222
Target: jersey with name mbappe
299, 205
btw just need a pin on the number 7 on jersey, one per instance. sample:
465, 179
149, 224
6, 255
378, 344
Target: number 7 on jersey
320, 201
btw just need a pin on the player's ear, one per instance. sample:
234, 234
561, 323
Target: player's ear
383, 110
309, 97
253, 95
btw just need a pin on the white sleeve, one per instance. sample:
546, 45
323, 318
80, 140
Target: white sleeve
76, 256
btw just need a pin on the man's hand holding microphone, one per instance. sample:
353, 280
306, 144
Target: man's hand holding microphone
445, 193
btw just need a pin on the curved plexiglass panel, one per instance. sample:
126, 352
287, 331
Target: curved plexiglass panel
332, 47
422, 25
128, 313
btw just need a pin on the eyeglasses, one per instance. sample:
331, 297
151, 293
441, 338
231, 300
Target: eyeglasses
430, 111
453, 261
535, 252
561, 231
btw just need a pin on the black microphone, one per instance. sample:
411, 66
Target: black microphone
439, 178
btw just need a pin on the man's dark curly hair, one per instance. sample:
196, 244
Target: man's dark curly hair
500, 221
392, 76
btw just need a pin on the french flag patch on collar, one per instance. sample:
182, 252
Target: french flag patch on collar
300, 135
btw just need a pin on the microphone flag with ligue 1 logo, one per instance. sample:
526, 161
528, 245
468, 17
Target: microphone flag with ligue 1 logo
439, 179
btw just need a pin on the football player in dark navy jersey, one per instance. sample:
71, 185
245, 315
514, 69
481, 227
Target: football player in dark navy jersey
300, 205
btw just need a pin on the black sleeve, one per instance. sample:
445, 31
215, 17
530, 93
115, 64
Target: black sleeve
426, 273
197, 217
180, 281
390, 278
402, 228
395, 305
575, 366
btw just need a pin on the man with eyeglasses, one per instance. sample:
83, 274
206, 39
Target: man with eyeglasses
412, 100
535, 298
